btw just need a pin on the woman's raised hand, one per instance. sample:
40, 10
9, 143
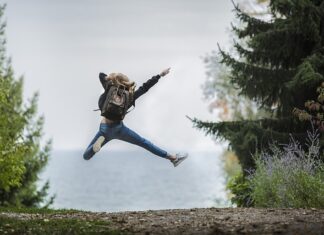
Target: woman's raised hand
165, 72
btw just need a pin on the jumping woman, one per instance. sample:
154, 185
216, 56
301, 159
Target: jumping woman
114, 103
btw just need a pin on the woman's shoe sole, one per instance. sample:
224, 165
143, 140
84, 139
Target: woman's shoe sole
97, 145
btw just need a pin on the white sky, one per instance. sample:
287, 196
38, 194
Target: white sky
61, 46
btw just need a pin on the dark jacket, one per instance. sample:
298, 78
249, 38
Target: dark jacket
139, 91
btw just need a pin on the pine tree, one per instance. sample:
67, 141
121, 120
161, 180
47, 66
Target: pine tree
21, 156
279, 66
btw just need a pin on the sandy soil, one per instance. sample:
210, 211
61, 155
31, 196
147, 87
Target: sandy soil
204, 221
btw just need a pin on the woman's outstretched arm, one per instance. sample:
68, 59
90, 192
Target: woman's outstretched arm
149, 83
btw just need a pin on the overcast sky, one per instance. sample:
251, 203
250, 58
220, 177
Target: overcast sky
61, 46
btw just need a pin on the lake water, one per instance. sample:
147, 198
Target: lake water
126, 181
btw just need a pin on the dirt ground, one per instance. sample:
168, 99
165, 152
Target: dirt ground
204, 221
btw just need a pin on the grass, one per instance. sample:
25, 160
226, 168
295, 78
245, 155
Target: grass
60, 224
34, 210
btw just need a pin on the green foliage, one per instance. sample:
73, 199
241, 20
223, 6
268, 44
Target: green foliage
55, 226
277, 64
290, 177
240, 188
11, 154
36, 210
229, 106
247, 136
21, 156
48, 221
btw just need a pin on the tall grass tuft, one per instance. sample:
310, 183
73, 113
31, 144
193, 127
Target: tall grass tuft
289, 176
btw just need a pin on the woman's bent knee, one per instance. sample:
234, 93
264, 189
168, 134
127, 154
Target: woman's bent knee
86, 156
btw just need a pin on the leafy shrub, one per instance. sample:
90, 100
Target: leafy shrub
289, 176
240, 189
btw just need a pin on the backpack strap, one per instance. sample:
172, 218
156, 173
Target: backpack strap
130, 110
108, 84
132, 102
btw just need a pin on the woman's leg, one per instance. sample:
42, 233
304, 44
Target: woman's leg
132, 137
89, 152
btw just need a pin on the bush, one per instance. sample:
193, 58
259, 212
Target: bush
240, 189
289, 176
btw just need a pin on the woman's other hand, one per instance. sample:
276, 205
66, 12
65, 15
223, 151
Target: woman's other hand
165, 72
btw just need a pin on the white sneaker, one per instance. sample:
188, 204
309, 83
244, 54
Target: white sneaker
97, 145
180, 158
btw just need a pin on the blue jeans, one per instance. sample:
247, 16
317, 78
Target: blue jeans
121, 132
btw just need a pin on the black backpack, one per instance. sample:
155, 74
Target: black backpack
115, 101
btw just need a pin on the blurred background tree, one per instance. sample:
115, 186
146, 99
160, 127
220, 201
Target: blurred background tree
276, 65
224, 99
21, 156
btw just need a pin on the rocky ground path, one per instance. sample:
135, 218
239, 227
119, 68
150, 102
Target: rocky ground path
202, 221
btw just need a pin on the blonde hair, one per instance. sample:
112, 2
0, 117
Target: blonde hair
121, 79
